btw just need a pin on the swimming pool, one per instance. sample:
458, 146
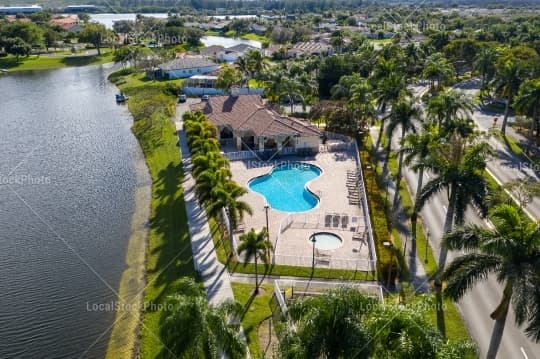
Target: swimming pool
326, 240
285, 187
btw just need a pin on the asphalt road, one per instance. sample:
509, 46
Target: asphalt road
478, 304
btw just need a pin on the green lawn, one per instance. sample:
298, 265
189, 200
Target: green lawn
35, 62
169, 256
256, 310
261, 38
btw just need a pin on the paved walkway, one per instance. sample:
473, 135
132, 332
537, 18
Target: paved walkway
401, 223
214, 274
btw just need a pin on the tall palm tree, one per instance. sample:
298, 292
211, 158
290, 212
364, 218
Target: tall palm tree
508, 78
291, 89
528, 103
242, 64
390, 90
193, 329
511, 251
255, 246
226, 196
458, 164
417, 148
438, 71
257, 63
484, 63
447, 106
361, 101
404, 114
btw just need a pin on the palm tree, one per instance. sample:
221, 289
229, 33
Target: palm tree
404, 114
291, 89
226, 196
361, 101
193, 329
242, 64
511, 250
417, 148
328, 326
484, 63
528, 103
255, 246
437, 70
508, 78
458, 164
257, 63
390, 89
448, 106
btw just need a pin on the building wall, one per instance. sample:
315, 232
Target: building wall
311, 142
183, 73
197, 91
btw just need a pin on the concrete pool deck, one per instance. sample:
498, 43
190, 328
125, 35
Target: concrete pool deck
292, 246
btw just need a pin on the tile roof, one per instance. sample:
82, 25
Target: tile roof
186, 63
249, 113
241, 48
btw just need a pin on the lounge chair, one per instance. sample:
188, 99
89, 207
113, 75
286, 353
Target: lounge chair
328, 220
344, 221
336, 220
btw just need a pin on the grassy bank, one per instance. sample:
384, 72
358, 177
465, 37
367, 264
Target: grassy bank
256, 310
168, 255
44, 62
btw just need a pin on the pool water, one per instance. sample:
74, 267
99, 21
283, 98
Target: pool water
326, 241
285, 187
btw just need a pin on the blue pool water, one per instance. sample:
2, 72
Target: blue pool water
285, 187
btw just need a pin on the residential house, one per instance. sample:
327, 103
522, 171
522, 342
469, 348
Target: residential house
212, 51
233, 53
245, 122
315, 48
258, 29
185, 67
65, 22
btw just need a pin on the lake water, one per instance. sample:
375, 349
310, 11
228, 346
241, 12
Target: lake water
109, 19
69, 170
228, 42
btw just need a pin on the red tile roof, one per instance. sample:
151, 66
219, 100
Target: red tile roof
248, 112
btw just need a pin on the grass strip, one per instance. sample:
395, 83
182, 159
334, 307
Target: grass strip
222, 246
168, 255
256, 310
43, 62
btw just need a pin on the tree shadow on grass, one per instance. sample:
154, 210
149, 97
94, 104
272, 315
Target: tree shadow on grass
173, 257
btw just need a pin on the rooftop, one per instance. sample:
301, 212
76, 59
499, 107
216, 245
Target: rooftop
186, 63
248, 112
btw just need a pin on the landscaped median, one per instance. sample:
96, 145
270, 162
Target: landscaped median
168, 254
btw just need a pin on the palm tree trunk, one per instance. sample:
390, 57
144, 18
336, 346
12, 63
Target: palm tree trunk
448, 223
256, 276
505, 119
379, 138
400, 161
499, 315
419, 186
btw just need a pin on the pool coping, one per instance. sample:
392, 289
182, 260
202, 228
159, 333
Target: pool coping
306, 186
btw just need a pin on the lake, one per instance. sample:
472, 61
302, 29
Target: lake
109, 19
69, 171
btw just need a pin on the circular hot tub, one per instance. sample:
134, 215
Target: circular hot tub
326, 241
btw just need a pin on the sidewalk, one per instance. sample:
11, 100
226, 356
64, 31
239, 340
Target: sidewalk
400, 221
215, 276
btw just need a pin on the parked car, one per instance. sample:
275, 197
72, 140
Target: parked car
182, 98
205, 97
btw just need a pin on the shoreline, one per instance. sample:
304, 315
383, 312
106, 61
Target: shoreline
125, 333
124, 338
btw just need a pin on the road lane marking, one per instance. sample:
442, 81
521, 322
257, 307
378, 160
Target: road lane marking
523, 352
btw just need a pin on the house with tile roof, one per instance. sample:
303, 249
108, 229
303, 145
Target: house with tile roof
245, 122
186, 67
